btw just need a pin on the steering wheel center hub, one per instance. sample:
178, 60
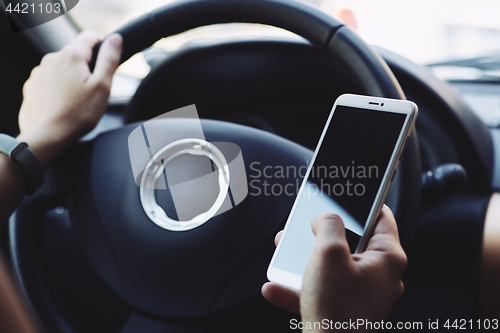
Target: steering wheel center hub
156, 169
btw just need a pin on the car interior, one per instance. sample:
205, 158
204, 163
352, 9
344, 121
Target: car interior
86, 258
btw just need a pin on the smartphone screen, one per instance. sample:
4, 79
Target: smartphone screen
345, 179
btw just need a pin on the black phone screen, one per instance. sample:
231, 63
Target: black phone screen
345, 179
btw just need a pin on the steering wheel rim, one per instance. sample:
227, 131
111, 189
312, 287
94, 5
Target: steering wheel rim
322, 30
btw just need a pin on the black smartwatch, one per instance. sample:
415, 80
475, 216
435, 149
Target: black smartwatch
22, 155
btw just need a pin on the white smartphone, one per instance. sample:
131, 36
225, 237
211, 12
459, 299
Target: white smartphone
350, 174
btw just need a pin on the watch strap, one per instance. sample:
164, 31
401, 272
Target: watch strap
22, 155
7, 144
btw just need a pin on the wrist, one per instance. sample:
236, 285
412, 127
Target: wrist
24, 158
7, 167
46, 148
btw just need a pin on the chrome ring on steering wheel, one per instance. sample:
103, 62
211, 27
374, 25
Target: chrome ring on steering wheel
155, 169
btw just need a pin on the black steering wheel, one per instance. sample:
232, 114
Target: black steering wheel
178, 277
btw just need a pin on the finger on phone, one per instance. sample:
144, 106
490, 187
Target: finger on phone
386, 223
385, 235
330, 237
282, 297
278, 237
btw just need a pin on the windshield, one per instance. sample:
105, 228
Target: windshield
425, 31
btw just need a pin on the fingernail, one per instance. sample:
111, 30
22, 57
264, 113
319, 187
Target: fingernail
116, 40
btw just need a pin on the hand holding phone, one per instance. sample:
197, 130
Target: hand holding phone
352, 168
339, 286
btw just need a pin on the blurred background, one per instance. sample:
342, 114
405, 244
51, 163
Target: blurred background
425, 31
458, 39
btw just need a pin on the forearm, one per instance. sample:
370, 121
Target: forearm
13, 184
14, 317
